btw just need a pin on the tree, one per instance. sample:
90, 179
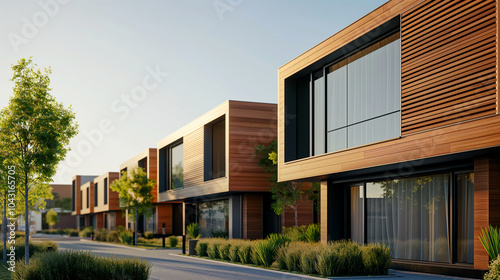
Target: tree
52, 218
36, 130
285, 194
63, 203
134, 191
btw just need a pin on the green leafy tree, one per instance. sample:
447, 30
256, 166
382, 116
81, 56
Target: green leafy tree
36, 130
63, 203
285, 194
52, 218
134, 190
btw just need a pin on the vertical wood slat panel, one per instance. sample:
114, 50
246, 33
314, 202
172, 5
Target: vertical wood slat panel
250, 124
252, 216
486, 206
164, 215
193, 158
425, 67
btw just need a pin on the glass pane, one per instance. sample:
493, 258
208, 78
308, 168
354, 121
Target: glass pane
337, 140
379, 129
213, 217
357, 214
177, 167
337, 96
374, 81
411, 216
218, 150
319, 116
465, 218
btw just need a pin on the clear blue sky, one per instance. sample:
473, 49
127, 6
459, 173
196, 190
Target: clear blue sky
139, 70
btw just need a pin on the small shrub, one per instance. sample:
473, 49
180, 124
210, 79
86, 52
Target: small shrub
79, 265
494, 270
295, 233
352, 258
126, 236
120, 228
213, 249
149, 235
264, 253
35, 248
173, 241
490, 239
328, 260
224, 250
59, 231
193, 230
308, 259
313, 233
219, 234
234, 250
112, 236
201, 248
245, 252
71, 232
86, 232
288, 257
376, 259
101, 234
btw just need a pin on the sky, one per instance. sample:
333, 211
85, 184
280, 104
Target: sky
136, 71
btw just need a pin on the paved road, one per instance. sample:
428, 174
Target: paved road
167, 264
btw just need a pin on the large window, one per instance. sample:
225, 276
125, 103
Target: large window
176, 166
105, 191
215, 150
95, 194
87, 196
73, 200
363, 98
349, 98
213, 217
414, 216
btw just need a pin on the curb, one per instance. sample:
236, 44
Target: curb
251, 267
115, 245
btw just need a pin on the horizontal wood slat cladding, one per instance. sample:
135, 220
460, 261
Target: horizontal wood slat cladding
252, 216
193, 158
250, 124
448, 53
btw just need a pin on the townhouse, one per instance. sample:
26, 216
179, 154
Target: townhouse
161, 213
210, 167
397, 116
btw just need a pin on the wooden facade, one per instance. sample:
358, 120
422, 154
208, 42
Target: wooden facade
112, 196
244, 184
449, 103
247, 124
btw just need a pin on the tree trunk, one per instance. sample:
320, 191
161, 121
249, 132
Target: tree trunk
26, 222
4, 228
135, 226
295, 210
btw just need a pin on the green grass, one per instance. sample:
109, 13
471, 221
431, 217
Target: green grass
4, 273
